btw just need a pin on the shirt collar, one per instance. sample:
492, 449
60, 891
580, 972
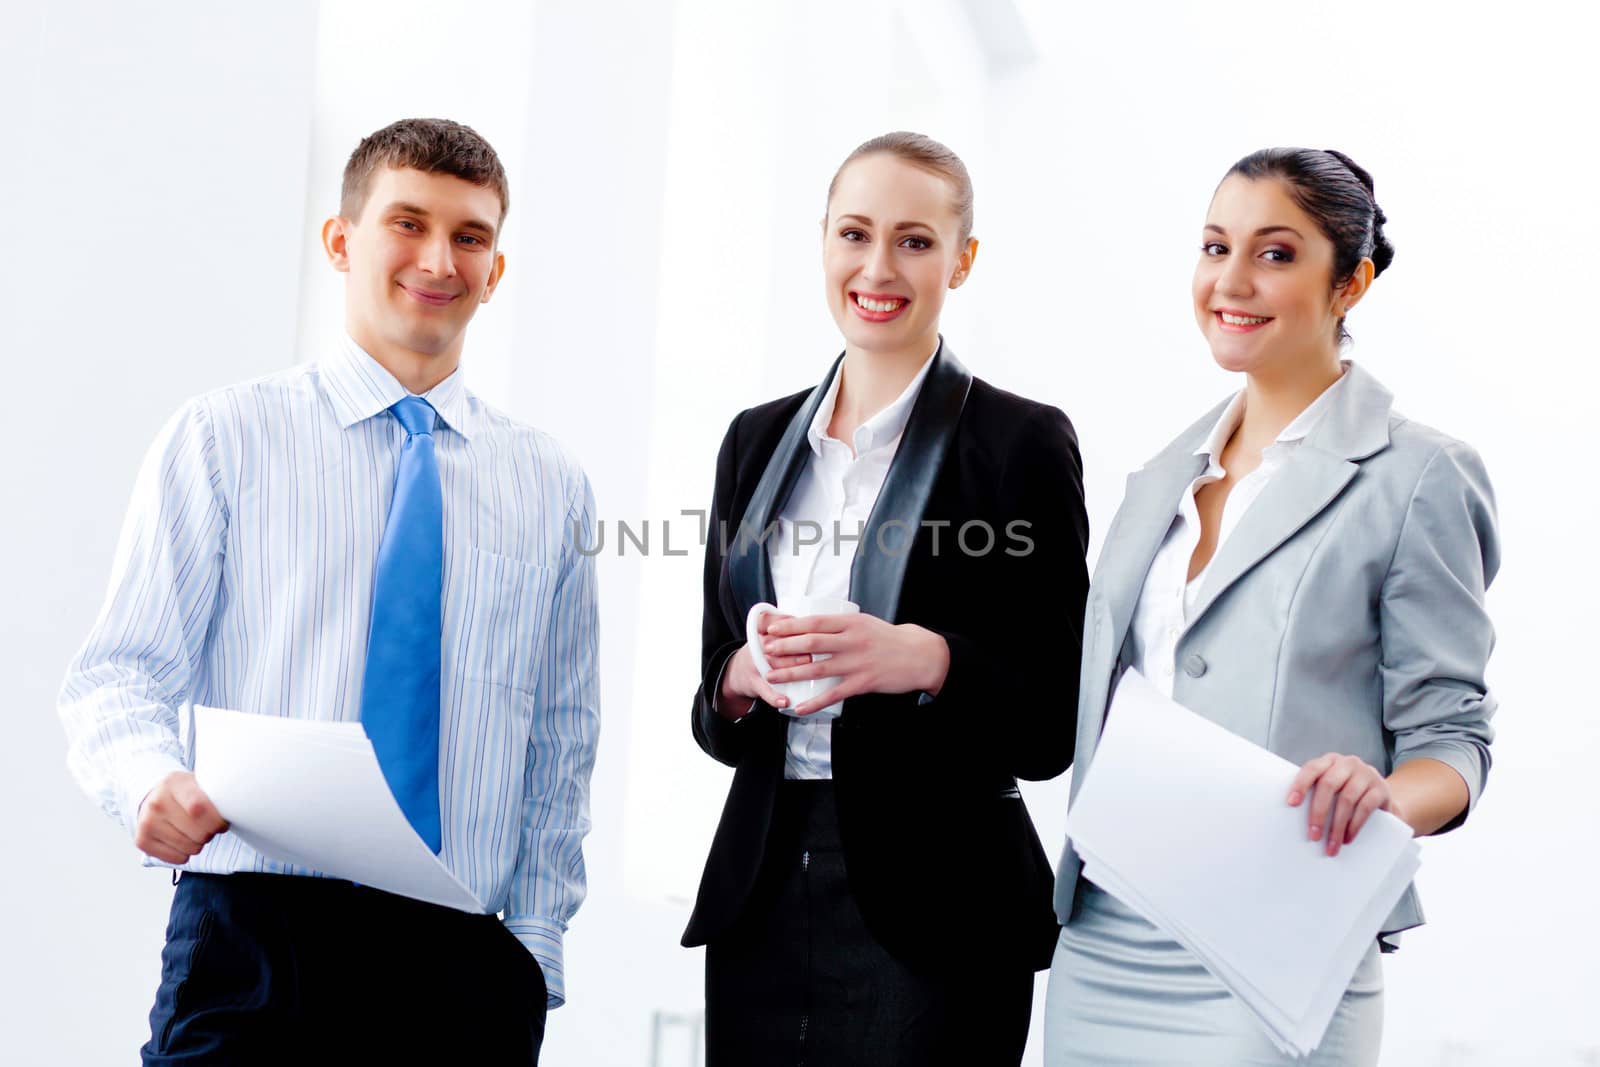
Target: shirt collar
359, 387
882, 428
1296, 431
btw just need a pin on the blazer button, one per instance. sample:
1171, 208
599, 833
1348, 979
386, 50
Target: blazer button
1194, 666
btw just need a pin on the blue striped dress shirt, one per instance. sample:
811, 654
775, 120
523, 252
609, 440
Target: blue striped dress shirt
243, 579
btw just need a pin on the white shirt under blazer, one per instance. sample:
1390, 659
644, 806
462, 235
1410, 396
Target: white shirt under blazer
833, 498
1169, 594
1343, 613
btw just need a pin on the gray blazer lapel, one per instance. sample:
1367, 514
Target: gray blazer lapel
1149, 504
879, 569
1141, 524
1307, 483
1148, 507
749, 569
1355, 426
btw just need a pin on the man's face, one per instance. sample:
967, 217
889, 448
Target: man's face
421, 258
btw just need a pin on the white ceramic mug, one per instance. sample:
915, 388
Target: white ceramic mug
797, 692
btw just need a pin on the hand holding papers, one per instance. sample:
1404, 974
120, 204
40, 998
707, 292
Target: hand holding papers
1187, 824
311, 793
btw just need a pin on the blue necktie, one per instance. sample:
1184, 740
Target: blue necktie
400, 690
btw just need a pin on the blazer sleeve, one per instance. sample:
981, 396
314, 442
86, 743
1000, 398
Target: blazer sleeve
1021, 657
722, 739
1435, 631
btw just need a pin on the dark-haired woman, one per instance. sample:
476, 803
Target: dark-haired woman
875, 893
1307, 568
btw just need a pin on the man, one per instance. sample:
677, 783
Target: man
361, 538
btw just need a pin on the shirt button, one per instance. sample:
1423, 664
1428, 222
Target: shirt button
1195, 665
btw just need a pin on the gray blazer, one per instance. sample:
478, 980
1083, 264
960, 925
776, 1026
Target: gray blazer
1344, 613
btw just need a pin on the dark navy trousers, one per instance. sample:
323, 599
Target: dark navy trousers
270, 969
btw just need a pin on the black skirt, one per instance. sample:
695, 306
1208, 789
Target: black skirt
800, 981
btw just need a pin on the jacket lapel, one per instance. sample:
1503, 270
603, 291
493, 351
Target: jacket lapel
1355, 426
1148, 508
1149, 505
749, 570
879, 569
1304, 486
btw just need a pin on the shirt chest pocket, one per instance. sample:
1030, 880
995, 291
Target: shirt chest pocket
495, 612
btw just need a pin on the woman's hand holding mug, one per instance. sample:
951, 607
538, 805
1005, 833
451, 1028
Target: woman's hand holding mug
795, 694
851, 653
743, 683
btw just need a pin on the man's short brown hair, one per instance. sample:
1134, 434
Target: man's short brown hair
433, 146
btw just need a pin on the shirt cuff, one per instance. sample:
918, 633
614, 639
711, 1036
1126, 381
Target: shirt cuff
542, 936
140, 773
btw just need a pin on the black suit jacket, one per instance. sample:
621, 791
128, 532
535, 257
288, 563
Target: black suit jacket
943, 859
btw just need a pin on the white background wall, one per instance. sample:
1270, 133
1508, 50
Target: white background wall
166, 168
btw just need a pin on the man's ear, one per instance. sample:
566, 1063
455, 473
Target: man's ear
494, 276
335, 235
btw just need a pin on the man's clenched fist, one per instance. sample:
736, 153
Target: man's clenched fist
176, 820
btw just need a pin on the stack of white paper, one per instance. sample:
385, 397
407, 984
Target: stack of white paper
1189, 825
312, 794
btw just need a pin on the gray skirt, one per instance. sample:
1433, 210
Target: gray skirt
1122, 992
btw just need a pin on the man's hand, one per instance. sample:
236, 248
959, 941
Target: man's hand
176, 819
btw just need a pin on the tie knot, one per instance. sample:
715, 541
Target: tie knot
415, 414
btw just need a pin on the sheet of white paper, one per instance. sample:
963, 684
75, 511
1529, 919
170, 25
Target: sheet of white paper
1190, 821
1277, 1025
312, 794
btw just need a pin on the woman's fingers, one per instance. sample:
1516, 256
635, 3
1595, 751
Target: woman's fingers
845, 689
803, 644
745, 680
767, 619
1309, 773
763, 691
1322, 797
791, 625
810, 668
1372, 800
1344, 792
1344, 808
770, 696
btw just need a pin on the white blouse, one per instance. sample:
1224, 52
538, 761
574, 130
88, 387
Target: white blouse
829, 506
1164, 603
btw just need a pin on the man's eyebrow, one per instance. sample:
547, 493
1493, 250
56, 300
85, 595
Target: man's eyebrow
404, 208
